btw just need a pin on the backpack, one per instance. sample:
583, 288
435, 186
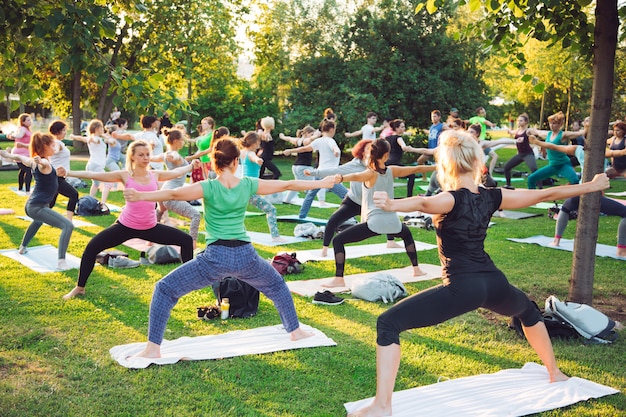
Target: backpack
89, 206
287, 263
244, 298
557, 328
380, 286
553, 212
588, 322
162, 254
309, 230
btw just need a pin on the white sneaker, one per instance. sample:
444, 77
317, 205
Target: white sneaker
123, 262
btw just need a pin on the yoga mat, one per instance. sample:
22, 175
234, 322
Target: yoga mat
510, 392
358, 251
502, 180
543, 205
568, 245
76, 222
41, 259
113, 208
18, 192
6, 211
266, 239
297, 201
619, 194
515, 215
200, 209
296, 219
227, 345
308, 288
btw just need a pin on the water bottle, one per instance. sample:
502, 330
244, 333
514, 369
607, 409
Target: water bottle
225, 305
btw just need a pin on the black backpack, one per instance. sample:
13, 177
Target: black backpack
89, 206
244, 298
557, 327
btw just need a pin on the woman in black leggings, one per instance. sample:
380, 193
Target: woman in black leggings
61, 159
470, 278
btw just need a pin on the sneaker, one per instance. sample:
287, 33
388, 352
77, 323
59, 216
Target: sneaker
123, 262
327, 298
508, 187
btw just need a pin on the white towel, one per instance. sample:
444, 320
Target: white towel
358, 251
308, 288
619, 194
568, 245
227, 345
41, 259
18, 192
515, 215
511, 392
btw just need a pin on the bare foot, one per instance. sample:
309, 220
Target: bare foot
372, 410
22, 250
392, 244
558, 376
417, 271
76, 291
555, 242
621, 252
299, 334
335, 282
323, 204
62, 265
152, 350
279, 239
324, 251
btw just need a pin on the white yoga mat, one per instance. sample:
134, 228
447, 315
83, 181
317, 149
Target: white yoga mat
297, 201
619, 194
227, 345
266, 239
41, 259
18, 192
358, 251
308, 288
76, 222
568, 245
510, 392
515, 215
6, 211
296, 219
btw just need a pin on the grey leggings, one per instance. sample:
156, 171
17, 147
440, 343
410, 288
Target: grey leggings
185, 209
530, 160
41, 213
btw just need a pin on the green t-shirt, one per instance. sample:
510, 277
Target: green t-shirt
483, 126
203, 143
225, 209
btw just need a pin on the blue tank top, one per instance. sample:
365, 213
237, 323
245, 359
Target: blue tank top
250, 169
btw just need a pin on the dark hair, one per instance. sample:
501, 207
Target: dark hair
476, 127
329, 113
120, 122
39, 142
225, 151
359, 149
621, 126
57, 126
478, 109
173, 134
379, 148
220, 132
250, 139
437, 112
371, 114
327, 125
395, 123
459, 122
147, 121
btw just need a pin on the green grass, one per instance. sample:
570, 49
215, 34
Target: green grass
54, 358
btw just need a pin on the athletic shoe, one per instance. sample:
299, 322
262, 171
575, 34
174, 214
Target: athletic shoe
327, 298
122, 262
508, 187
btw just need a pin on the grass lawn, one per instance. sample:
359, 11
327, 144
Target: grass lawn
54, 358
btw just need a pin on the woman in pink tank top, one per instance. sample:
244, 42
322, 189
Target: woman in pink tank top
22, 145
137, 219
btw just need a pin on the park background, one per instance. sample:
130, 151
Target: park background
77, 60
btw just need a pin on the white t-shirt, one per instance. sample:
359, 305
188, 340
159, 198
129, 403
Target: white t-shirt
97, 153
61, 158
368, 132
157, 146
326, 146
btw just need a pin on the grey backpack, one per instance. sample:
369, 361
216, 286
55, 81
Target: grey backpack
378, 287
590, 323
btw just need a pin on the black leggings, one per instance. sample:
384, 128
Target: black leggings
272, 167
515, 161
410, 184
360, 232
346, 210
68, 191
117, 233
456, 296
24, 177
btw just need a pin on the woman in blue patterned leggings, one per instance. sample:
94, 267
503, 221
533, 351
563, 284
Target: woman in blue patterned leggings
229, 251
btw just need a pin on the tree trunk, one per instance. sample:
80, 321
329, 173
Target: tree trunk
605, 43
76, 110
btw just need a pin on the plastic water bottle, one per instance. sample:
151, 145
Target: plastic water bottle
225, 306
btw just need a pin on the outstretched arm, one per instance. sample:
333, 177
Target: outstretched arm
277, 186
178, 172
400, 172
187, 193
437, 204
566, 149
307, 148
18, 158
521, 198
109, 176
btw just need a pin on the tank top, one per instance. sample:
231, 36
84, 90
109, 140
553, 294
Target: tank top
250, 169
379, 220
26, 141
395, 153
522, 143
556, 157
46, 187
304, 158
175, 182
61, 158
140, 215
619, 162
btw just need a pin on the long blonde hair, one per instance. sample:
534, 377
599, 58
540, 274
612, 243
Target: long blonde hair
130, 166
457, 154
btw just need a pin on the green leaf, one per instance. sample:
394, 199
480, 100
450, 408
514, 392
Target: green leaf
584, 3
527, 77
539, 88
474, 5
64, 68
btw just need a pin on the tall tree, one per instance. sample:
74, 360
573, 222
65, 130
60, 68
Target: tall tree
565, 22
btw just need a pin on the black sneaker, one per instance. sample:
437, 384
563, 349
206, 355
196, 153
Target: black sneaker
508, 187
327, 298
